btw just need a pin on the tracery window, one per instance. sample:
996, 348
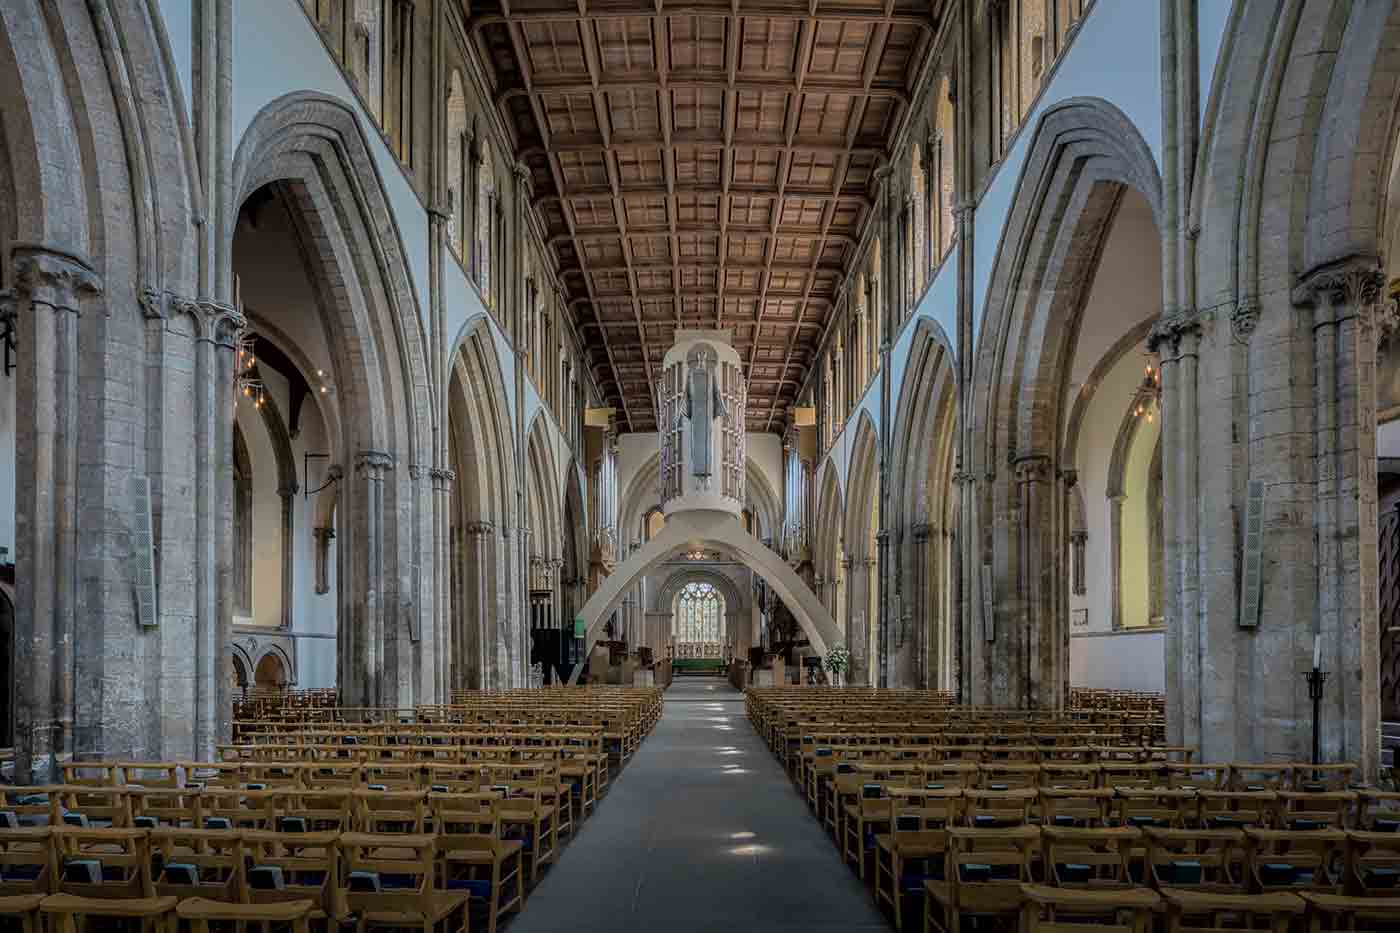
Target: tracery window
698, 621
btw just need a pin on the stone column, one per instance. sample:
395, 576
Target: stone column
1037, 645
50, 289
926, 616
287, 494
1343, 298
323, 538
477, 636
362, 630
444, 629
1175, 339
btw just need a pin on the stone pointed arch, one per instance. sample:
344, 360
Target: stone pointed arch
921, 476
1085, 153
685, 530
312, 149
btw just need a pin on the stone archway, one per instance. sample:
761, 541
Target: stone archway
1084, 155
685, 530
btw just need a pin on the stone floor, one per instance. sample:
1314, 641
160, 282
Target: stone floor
701, 832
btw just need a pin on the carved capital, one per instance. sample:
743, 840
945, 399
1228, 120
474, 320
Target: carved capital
416, 471
1032, 468
921, 532
480, 529
443, 476
221, 324
373, 463
54, 279
1170, 328
323, 534
1353, 281
964, 478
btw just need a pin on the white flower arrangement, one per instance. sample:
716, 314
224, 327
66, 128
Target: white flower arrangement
837, 660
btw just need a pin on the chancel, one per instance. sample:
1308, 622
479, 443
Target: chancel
927, 464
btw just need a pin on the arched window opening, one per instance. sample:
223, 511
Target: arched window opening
698, 622
458, 163
242, 525
485, 214
944, 137
918, 204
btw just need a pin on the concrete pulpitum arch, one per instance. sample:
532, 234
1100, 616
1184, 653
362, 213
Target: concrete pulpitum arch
710, 529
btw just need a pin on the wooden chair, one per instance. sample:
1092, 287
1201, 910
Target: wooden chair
93, 805
1257, 777
1196, 911
198, 913
473, 857
983, 874
1089, 858
1197, 775
315, 810
152, 774
236, 808
90, 773
1289, 860
1310, 778
391, 881
1125, 910
865, 818
527, 818
1378, 810
27, 874
911, 853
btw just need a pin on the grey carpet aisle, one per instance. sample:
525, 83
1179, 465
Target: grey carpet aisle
701, 832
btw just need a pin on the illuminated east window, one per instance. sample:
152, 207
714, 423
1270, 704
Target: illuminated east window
697, 623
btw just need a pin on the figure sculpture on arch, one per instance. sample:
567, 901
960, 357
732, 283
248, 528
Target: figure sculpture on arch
703, 404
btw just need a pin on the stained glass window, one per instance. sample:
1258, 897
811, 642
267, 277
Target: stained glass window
697, 621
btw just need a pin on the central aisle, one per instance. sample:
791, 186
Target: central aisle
702, 831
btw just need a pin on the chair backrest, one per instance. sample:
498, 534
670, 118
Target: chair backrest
1246, 776
237, 808
1331, 809
149, 773
1094, 857
395, 775
1086, 807
1236, 809
1215, 859
163, 806
27, 861
334, 775
317, 810
198, 863
103, 863
95, 805
1281, 860
465, 814
90, 773
402, 811
1162, 807
997, 808
989, 857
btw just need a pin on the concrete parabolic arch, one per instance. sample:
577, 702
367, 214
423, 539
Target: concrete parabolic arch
708, 529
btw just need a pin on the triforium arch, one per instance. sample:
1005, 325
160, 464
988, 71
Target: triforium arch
1083, 155
925, 644
312, 150
1294, 203
483, 618
862, 555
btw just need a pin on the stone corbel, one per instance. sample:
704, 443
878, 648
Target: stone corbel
1167, 332
1244, 318
374, 462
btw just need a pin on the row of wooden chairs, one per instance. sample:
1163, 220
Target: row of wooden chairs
419, 881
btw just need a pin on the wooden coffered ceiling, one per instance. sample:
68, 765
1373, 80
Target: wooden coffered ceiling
703, 164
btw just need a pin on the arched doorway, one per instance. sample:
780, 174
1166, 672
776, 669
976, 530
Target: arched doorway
271, 673
697, 622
